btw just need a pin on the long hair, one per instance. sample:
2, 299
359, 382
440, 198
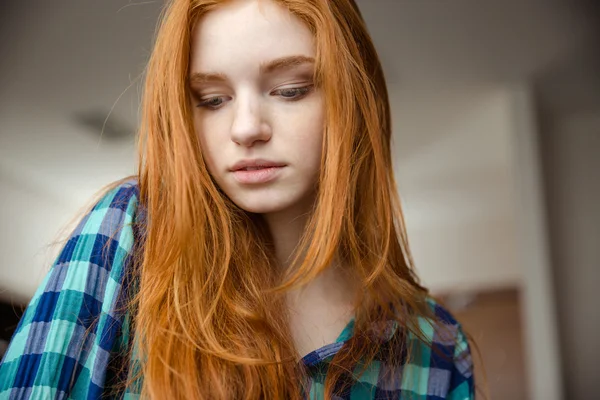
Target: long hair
209, 314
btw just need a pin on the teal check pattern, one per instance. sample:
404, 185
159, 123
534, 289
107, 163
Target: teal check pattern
72, 336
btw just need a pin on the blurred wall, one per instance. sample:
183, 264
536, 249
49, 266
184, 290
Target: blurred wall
454, 168
571, 150
568, 97
31, 220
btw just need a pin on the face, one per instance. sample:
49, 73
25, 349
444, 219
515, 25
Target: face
256, 110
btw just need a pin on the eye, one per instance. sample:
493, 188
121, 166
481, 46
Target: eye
294, 93
211, 103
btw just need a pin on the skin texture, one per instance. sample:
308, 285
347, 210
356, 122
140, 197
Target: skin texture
246, 113
254, 114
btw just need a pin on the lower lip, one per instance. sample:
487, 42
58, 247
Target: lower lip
262, 175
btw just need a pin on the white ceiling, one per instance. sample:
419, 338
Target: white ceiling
62, 57
469, 41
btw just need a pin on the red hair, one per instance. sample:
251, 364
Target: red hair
209, 314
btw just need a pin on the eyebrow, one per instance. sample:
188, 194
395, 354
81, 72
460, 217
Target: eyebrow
270, 67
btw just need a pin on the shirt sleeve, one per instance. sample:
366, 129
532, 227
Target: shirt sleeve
462, 384
63, 342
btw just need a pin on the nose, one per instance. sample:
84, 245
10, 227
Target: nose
248, 126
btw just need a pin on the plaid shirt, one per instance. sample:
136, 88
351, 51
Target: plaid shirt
71, 334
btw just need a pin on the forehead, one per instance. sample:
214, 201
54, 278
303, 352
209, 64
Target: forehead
244, 33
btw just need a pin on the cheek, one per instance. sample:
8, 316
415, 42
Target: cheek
208, 128
209, 147
310, 141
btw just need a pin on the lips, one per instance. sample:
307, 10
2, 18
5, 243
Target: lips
250, 165
252, 168
256, 171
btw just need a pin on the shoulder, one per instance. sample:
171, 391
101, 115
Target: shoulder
72, 322
442, 357
116, 208
103, 239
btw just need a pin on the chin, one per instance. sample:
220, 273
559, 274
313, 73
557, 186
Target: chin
269, 201
261, 205
272, 199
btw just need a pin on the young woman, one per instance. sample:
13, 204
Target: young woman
261, 251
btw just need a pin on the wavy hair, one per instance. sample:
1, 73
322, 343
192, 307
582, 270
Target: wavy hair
209, 314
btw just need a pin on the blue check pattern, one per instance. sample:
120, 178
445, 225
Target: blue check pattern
73, 333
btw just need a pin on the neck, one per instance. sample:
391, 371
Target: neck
286, 228
335, 285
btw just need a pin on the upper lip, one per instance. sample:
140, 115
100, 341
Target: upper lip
256, 163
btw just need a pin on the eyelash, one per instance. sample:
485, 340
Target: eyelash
303, 92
